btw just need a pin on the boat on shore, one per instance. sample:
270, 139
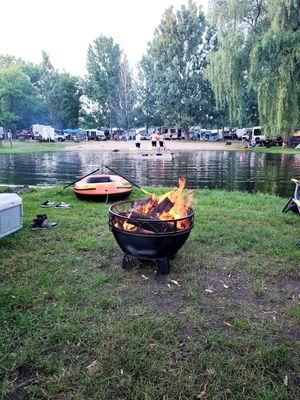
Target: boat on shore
102, 188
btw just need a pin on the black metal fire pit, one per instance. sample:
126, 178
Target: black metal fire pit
157, 240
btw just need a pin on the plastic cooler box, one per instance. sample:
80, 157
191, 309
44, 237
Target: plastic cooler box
11, 213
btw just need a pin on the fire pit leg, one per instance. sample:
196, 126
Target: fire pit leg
162, 266
127, 262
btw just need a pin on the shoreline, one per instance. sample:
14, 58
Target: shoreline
129, 147
174, 146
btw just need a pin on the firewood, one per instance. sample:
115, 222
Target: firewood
152, 223
164, 206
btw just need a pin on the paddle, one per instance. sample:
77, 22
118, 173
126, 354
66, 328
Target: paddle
79, 179
129, 180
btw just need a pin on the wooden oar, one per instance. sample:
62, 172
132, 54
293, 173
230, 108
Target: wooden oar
129, 180
79, 179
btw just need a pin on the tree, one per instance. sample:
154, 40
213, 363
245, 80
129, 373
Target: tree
177, 59
103, 79
147, 110
258, 61
62, 94
126, 95
19, 100
49, 86
70, 104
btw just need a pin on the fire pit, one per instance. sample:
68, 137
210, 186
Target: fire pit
152, 229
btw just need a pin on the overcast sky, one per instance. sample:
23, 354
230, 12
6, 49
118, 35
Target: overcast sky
64, 28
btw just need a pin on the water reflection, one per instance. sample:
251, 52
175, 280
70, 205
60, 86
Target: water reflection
269, 173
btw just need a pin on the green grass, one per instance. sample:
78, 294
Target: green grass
275, 150
32, 147
227, 332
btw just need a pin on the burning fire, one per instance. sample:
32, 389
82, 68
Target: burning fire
172, 205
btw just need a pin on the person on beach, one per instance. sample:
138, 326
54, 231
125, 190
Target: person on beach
138, 141
153, 138
161, 140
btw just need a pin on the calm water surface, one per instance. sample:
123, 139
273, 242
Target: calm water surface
231, 170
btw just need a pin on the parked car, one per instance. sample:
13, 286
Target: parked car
228, 135
212, 136
60, 137
143, 133
25, 134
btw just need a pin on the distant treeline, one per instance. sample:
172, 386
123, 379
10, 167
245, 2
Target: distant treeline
237, 67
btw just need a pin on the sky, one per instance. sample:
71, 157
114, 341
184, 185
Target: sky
65, 28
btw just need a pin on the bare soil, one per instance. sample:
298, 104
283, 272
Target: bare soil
175, 145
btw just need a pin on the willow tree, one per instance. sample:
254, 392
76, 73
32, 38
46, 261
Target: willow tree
258, 51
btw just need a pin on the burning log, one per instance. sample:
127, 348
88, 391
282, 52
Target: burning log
158, 214
162, 207
151, 224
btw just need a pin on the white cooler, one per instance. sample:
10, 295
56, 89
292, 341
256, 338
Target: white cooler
11, 213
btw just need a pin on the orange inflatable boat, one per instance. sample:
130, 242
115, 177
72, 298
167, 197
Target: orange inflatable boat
102, 188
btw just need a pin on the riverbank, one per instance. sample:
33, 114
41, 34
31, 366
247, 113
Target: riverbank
222, 325
127, 147
175, 146
32, 147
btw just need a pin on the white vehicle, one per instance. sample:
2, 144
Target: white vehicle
44, 133
172, 133
243, 133
257, 135
95, 134
132, 133
60, 137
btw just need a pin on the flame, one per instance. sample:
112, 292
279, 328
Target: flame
177, 204
129, 227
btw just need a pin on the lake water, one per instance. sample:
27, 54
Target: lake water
231, 170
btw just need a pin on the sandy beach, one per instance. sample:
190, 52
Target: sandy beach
173, 146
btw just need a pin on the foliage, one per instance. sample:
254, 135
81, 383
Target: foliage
174, 65
126, 95
61, 93
70, 103
148, 111
37, 94
258, 52
103, 80
19, 100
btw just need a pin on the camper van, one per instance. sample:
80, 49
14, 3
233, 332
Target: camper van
95, 134
43, 133
257, 135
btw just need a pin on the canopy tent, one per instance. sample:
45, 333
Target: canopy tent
73, 131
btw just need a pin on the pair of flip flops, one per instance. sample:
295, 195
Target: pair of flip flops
42, 222
49, 203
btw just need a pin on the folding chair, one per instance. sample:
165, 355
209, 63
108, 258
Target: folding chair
294, 202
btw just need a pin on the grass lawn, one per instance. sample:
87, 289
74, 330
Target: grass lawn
74, 325
32, 147
275, 150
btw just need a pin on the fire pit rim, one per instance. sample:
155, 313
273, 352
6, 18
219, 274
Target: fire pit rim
190, 215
